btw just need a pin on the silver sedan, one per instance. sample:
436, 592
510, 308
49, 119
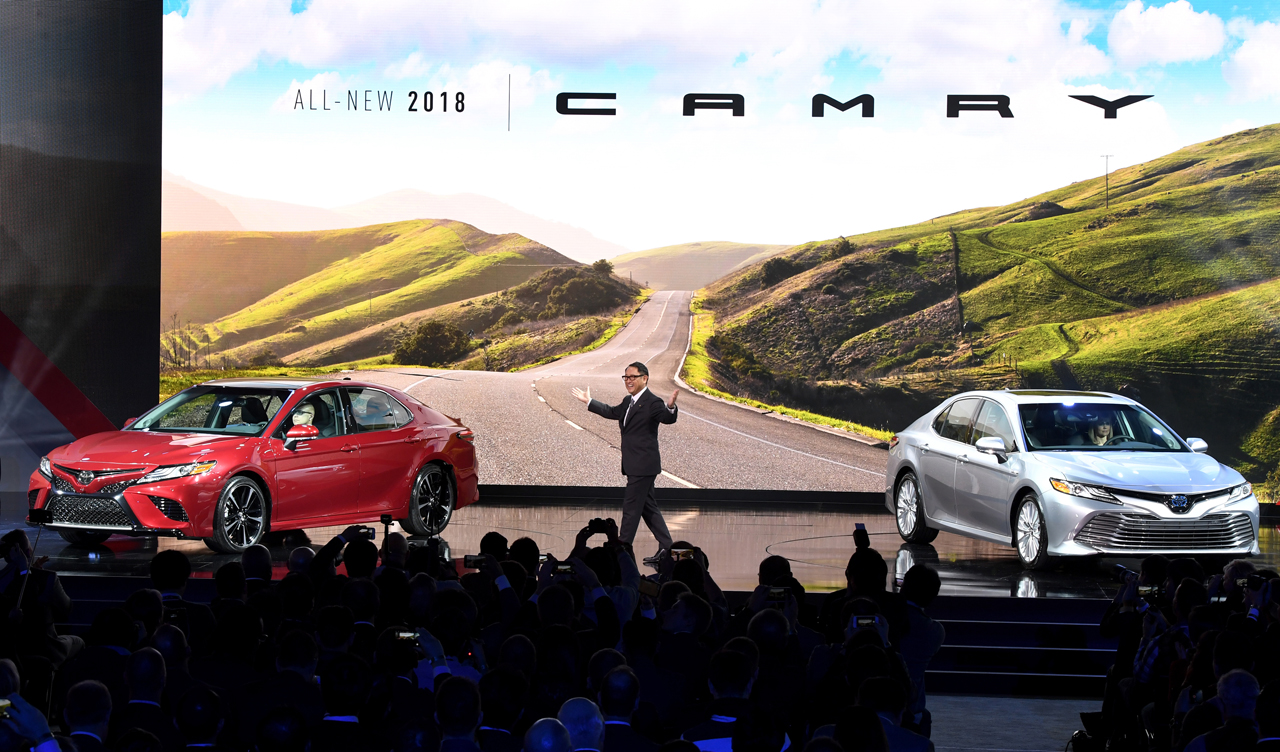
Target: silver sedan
1057, 473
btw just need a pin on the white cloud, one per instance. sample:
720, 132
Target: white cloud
1235, 126
413, 66
1251, 69
929, 44
315, 91
1173, 33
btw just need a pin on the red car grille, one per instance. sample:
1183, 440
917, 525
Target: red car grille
90, 511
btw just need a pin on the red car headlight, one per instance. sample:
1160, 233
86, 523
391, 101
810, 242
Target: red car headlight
169, 472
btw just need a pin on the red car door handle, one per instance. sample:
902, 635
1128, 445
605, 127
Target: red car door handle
412, 439
349, 448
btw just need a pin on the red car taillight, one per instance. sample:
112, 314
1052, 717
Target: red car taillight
467, 435
893, 442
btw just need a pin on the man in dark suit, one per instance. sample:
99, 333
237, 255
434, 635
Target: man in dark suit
638, 417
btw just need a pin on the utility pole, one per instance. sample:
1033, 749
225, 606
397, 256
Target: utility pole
1107, 179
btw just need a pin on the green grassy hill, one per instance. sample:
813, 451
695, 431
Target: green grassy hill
690, 266
208, 275
405, 267
531, 310
1143, 294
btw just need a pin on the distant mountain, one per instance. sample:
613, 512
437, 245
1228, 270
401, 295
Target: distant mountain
257, 213
185, 211
486, 213
182, 208
320, 286
690, 266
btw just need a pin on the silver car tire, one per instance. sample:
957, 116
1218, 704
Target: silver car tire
908, 511
1030, 537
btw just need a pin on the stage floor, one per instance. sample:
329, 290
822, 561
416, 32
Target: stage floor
816, 538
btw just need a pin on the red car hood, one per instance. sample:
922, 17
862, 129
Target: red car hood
139, 448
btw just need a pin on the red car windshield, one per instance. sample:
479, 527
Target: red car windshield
238, 411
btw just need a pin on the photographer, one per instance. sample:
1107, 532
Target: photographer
29, 625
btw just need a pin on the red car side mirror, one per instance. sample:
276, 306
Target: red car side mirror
130, 422
300, 433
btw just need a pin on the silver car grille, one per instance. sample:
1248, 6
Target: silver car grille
1145, 532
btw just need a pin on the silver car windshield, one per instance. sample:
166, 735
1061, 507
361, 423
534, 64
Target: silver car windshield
215, 409
1095, 427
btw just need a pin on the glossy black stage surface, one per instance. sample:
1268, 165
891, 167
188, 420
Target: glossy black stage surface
735, 534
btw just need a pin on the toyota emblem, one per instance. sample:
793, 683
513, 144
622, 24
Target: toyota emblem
1179, 503
85, 477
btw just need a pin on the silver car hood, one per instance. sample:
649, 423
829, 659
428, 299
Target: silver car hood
1158, 472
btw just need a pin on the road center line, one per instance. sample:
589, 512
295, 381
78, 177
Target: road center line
779, 446
575, 425
679, 480
541, 398
419, 381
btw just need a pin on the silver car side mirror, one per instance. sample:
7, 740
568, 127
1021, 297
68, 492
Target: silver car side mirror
1199, 446
993, 445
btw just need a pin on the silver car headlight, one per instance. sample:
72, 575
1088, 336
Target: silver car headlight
1241, 491
46, 468
169, 472
1083, 490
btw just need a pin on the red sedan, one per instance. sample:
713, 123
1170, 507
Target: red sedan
231, 459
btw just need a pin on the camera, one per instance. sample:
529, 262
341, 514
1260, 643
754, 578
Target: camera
777, 598
39, 516
563, 567
681, 553
543, 558
597, 525
372, 533
408, 635
1121, 573
1252, 582
648, 587
4, 709
862, 622
471, 561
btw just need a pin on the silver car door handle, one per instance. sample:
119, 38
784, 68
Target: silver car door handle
963, 458
925, 448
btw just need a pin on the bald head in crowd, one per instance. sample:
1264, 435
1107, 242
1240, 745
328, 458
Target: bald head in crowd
583, 721
548, 735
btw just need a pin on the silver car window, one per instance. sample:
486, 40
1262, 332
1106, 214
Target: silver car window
992, 421
960, 419
1096, 427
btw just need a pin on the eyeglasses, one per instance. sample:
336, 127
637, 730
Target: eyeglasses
629, 377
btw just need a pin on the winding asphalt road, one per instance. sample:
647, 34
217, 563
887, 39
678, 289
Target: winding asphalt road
531, 431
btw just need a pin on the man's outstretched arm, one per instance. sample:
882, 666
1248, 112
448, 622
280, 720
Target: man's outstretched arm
596, 406
666, 412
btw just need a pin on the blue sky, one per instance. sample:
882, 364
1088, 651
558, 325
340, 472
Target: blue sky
652, 177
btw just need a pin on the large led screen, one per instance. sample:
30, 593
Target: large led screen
814, 220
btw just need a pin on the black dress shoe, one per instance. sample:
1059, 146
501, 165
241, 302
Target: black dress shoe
653, 560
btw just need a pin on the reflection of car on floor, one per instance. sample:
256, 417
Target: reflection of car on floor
230, 460
1056, 473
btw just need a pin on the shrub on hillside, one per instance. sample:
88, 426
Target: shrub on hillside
777, 269
602, 267
734, 356
841, 249
582, 295
434, 343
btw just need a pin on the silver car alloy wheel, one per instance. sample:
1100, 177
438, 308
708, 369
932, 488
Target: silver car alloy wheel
243, 515
1029, 531
906, 504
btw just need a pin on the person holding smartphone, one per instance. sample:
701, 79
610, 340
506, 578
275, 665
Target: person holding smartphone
638, 416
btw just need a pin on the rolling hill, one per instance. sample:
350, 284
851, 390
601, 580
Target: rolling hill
1145, 294
190, 207
347, 280
690, 266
